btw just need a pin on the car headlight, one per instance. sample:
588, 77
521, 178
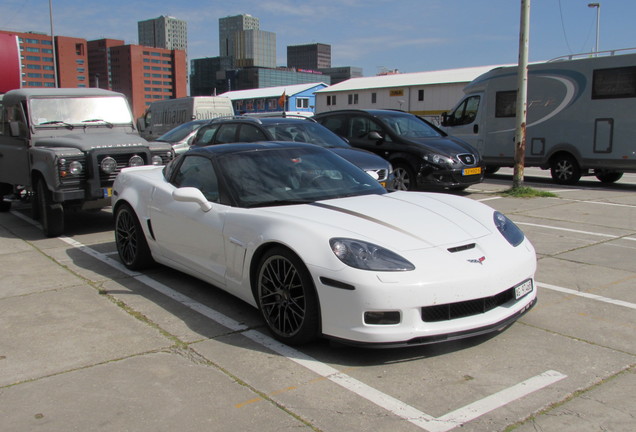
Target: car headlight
108, 165
367, 256
508, 229
156, 160
438, 159
136, 160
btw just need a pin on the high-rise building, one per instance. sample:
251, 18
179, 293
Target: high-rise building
311, 56
241, 38
146, 74
99, 62
164, 32
229, 27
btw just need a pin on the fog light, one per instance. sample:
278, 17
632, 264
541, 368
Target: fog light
156, 160
136, 160
108, 165
382, 318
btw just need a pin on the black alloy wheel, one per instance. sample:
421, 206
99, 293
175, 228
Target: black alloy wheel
287, 297
132, 246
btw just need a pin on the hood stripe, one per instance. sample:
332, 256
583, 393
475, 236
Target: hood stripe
365, 217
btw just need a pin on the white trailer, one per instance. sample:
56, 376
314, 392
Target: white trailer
581, 116
164, 115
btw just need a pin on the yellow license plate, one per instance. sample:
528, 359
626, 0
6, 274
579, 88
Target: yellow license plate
471, 171
108, 192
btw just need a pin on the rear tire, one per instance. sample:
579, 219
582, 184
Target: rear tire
608, 176
50, 213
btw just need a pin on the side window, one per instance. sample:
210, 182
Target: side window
205, 135
466, 112
198, 172
335, 124
249, 133
226, 134
359, 127
506, 104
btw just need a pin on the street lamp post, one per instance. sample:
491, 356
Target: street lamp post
598, 21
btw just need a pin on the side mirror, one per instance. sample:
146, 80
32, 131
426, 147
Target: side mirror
445, 119
375, 135
194, 195
141, 124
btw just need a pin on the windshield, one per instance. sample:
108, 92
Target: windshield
79, 110
410, 126
307, 132
180, 132
292, 175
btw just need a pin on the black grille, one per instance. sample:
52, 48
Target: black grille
466, 308
467, 159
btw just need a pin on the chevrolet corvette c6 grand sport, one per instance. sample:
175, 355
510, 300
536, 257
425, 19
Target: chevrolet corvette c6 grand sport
322, 250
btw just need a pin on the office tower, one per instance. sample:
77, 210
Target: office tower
241, 39
164, 32
311, 56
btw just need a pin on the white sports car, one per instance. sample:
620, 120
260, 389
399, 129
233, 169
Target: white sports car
321, 249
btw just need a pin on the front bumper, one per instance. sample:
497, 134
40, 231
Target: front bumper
449, 178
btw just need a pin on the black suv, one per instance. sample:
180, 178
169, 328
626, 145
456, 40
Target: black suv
226, 130
422, 155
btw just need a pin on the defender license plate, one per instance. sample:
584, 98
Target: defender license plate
108, 192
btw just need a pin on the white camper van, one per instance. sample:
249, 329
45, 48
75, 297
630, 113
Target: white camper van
580, 120
164, 115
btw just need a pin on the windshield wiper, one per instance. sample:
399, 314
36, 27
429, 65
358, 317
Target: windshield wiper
109, 124
58, 122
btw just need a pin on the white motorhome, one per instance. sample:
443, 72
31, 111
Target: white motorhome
164, 115
580, 116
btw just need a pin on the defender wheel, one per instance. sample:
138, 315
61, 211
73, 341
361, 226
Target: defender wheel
565, 170
50, 213
404, 177
287, 297
130, 239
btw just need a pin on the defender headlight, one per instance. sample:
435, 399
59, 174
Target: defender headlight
108, 165
75, 168
156, 160
367, 256
136, 160
508, 229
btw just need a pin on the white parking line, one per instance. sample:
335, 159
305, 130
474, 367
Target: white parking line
597, 234
418, 418
587, 295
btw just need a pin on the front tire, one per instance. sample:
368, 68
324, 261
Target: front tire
51, 214
565, 170
404, 177
130, 239
287, 297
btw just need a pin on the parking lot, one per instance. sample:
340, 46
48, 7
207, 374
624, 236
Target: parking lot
88, 345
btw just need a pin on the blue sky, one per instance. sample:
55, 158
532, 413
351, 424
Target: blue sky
408, 35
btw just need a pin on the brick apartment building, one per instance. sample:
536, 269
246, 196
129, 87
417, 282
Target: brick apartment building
143, 74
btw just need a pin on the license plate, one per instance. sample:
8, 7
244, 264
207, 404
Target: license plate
471, 171
523, 289
108, 192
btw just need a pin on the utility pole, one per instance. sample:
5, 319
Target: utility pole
53, 43
522, 97
598, 22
